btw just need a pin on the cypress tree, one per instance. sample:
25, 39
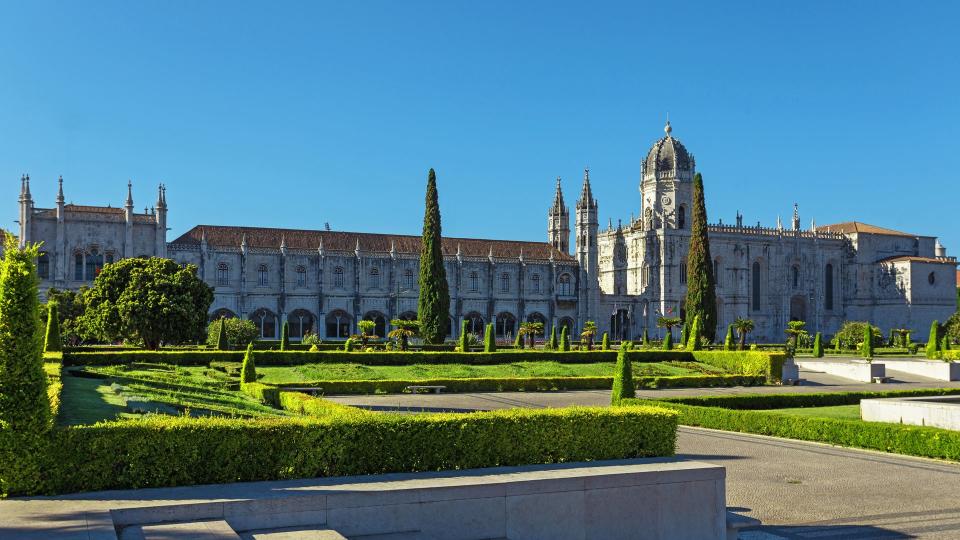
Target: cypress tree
701, 283
489, 340
52, 341
932, 342
892, 342
285, 336
433, 307
728, 342
553, 339
684, 334
464, 326
605, 344
646, 338
248, 371
223, 343
623, 385
518, 342
564, 340
818, 346
945, 344
668, 341
868, 342
693, 343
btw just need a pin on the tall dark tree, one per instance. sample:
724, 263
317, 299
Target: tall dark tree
433, 309
701, 283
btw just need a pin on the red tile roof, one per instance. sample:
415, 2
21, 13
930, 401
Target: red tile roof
862, 228
261, 237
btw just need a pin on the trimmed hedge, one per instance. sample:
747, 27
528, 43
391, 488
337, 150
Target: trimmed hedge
163, 451
768, 364
789, 401
300, 403
180, 358
524, 384
895, 438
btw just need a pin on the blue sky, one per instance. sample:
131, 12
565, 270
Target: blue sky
295, 114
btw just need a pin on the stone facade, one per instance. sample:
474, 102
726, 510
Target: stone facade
623, 277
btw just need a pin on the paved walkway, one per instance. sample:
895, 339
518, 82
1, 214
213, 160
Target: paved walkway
815, 382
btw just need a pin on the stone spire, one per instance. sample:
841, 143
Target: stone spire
796, 217
356, 249
558, 206
129, 195
393, 249
586, 195
320, 247
60, 198
558, 222
283, 244
243, 244
459, 253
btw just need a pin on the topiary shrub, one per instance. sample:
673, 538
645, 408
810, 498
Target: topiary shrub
489, 339
248, 371
693, 342
933, 347
564, 340
945, 344
818, 345
605, 343
646, 338
623, 385
728, 342
518, 341
668, 341
867, 349
285, 336
52, 341
684, 334
851, 334
464, 336
553, 345
348, 345
223, 344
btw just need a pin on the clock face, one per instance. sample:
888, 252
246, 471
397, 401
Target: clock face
665, 200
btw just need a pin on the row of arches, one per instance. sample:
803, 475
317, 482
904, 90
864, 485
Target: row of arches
338, 324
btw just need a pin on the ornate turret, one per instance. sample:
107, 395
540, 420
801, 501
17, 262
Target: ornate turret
666, 182
26, 210
558, 222
160, 217
796, 217
587, 229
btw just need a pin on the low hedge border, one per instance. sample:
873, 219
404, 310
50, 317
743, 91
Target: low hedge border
180, 358
162, 451
789, 401
524, 384
895, 438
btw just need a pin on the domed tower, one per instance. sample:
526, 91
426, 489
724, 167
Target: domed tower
666, 184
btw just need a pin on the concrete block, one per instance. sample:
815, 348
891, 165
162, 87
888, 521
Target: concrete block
857, 370
196, 530
167, 513
606, 509
931, 369
276, 520
464, 519
691, 510
365, 520
547, 516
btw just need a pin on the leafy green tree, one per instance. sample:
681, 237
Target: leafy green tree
402, 331
223, 344
623, 384
433, 308
668, 323
728, 343
693, 342
867, 349
554, 344
818, 346
148, 300
52, 341
851, 334
605, 343
564, 340
589, 332
743, 327
933, 348
489, 339
464, 336
248, 370
239, 332
701, 283
285, 336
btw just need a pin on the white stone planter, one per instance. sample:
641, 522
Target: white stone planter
857, 370
933, 369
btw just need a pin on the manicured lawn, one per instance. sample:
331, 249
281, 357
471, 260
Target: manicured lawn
150, 387
358, 372
843, 412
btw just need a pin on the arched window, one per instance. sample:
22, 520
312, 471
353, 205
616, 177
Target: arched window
564, 285
94, 263
408, 279
506, 325
338, 277
475, 324
567, 322
43, 266
538, 318
535, 279
474, 282
263, 276
338, 324
222, 313
755, 286
301, 276
78, 266
266, 323
380, 322
683, 272
681, 217
795, 276
223, 274
301, 323
504, 282
828, 286
373, 280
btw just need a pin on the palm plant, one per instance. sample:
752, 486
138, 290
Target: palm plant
402, 331
668, 323
531, 330
589, 332
366, 331
743, 327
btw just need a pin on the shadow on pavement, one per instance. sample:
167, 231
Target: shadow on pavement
821, 532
